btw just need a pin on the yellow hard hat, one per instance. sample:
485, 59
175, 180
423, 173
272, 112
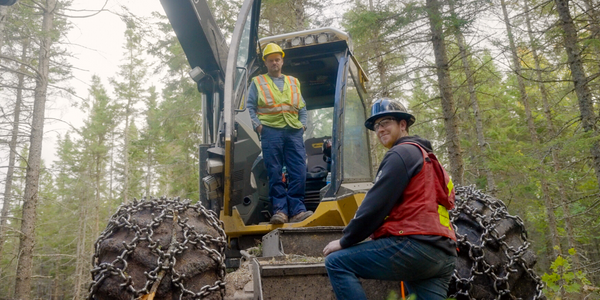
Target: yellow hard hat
272, 48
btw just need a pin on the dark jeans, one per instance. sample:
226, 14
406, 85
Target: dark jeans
425, 270
285, 146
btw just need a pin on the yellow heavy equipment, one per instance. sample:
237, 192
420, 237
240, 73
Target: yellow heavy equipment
234, 181
494, 260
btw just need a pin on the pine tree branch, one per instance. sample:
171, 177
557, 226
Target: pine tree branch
66, 90
23, 64
65, 122
85, 10
55, 255
15, 87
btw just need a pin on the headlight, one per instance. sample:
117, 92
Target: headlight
297, 41
323, 38
309, 39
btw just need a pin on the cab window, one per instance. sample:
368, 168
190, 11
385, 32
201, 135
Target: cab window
355, 148
242, 61
319, 123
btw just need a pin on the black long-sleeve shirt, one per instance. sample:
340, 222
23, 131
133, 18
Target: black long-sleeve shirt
400, 164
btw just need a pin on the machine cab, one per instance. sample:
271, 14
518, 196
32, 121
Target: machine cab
332, 85
233, 179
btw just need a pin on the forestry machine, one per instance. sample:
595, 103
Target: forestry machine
494, 259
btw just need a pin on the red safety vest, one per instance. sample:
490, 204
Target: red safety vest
425, 203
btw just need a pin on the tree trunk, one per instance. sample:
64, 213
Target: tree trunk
112, 165
126, 157
299, 14
462, 47
548, 204
148, 171
128, 120
98, 176
580, 80
56, 282
445, 85
564, 201
81, 262
27, 239
3, 13
517, 70
12, 150
381, 66
593, 25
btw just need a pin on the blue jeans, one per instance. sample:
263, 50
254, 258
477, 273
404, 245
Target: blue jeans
425, 270
285, 146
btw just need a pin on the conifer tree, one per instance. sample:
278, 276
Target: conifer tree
28, 223
12, 147
470, 78
434, 14
129, 90
179, 115
580, 80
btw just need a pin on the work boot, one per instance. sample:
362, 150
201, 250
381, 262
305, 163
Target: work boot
279, 218
301, 216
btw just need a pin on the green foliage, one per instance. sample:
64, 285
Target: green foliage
391, 40
376, 30
563, 276
284, 16
392, 295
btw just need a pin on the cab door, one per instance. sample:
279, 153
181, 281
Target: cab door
240, 141
351, 167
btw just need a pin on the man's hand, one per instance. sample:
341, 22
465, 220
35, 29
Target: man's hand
259, 129
332, 247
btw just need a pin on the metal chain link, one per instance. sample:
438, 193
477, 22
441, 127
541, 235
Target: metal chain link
466, 197
166, 258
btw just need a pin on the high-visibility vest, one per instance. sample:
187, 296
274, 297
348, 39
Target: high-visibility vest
277, 108
425, 203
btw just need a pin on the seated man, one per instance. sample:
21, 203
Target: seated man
406, 214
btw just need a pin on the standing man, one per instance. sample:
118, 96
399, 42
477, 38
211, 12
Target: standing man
279, 115
405, 213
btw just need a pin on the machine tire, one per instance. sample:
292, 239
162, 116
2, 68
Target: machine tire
143, 250
494, 260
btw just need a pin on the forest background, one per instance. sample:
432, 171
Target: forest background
507, 91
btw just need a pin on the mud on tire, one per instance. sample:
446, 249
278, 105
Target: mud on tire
166, 246
494, 259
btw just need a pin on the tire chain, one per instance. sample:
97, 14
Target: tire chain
168, 208
514, 257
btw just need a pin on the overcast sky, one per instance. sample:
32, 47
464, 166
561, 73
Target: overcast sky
96, 44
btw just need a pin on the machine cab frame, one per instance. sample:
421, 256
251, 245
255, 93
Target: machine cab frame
331, 79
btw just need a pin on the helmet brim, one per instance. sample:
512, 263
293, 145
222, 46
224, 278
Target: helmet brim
280, 52
410, 119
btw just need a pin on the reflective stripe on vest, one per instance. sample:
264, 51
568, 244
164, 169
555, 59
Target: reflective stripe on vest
294, 90
276, 109
264, 87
